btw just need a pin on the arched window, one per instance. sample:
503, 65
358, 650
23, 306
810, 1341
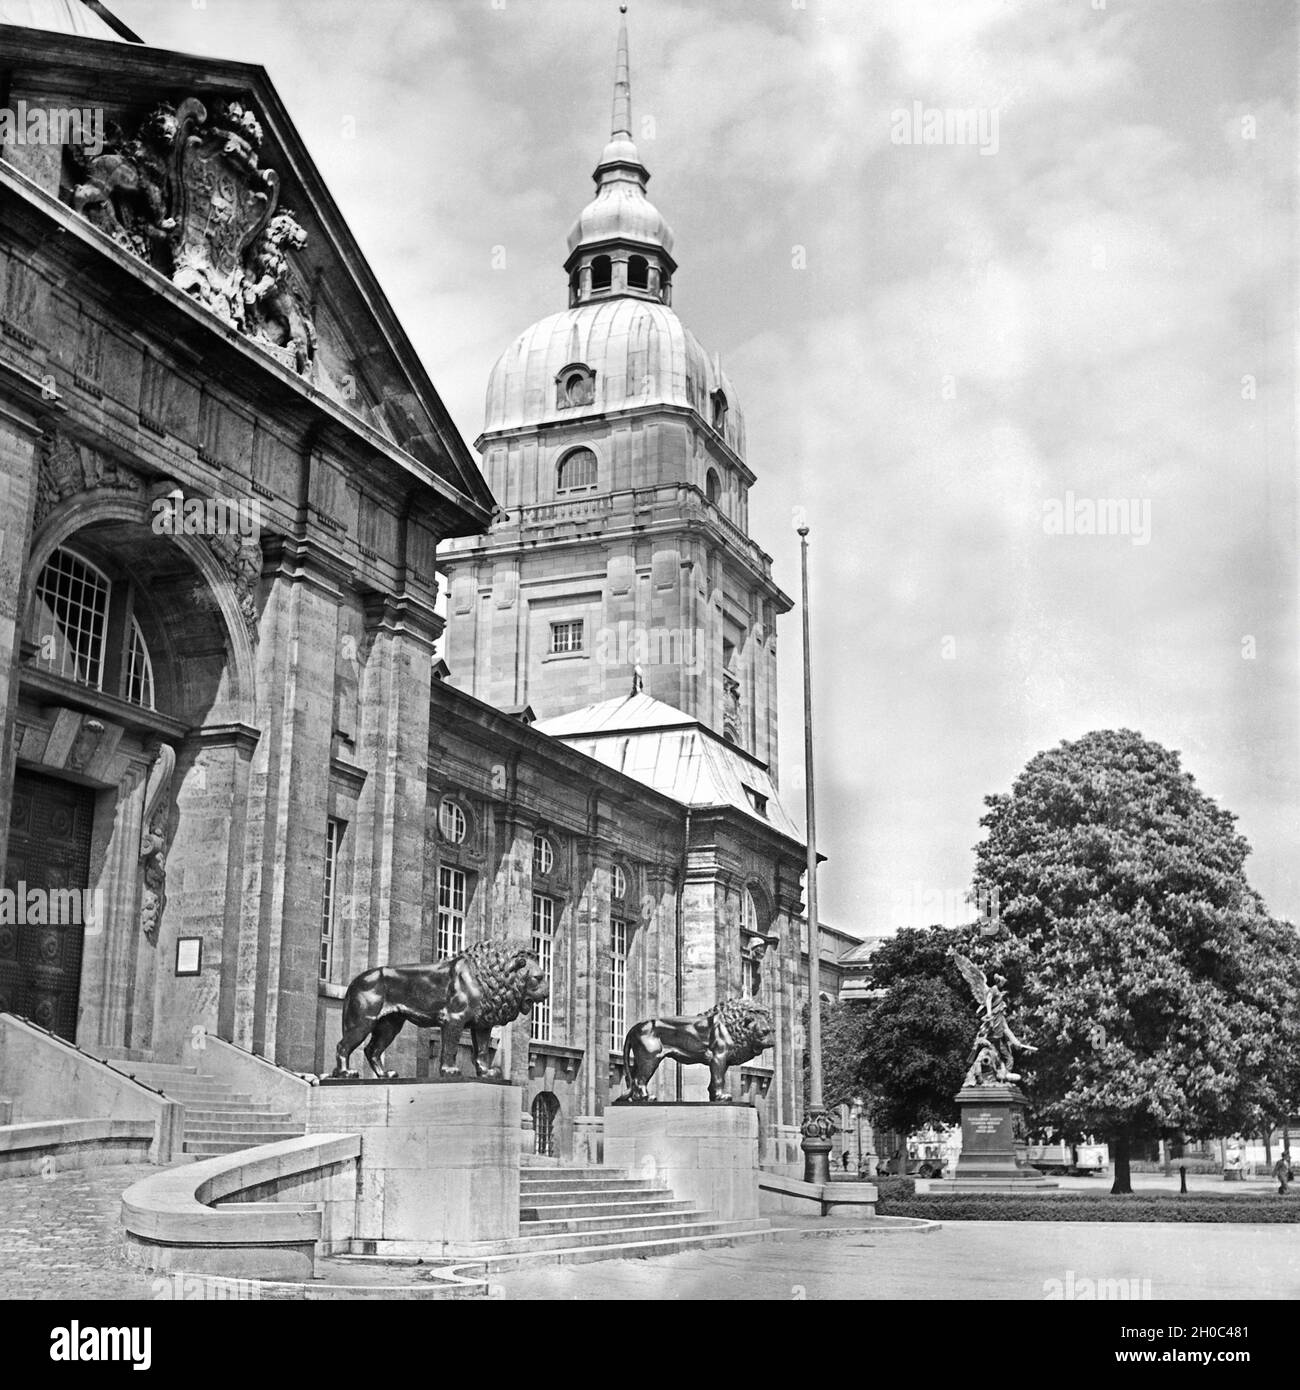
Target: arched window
638, 272
719, 400
712, 486
602, 273
753, 944
72, 618
451, 820
749, 919
85, 631
139, 669
543, 855
617, 882
577, 471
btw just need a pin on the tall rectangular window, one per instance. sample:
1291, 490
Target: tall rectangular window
333, 840
543, 949
451, 911
566, 637
617, 983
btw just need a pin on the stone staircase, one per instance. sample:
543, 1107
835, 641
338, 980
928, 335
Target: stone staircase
218, 1119
574, 1215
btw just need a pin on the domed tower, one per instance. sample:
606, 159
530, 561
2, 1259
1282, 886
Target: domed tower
615, 445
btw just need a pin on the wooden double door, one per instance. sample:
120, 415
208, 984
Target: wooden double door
42, 926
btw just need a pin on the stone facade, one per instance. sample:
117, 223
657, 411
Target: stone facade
286, 619
225, 481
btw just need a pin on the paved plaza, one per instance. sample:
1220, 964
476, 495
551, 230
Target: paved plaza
60, 1239
968, 1259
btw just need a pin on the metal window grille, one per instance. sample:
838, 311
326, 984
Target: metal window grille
566, 637
451, 912
617, 983
139, 669
73, 598
543, 949
333, 839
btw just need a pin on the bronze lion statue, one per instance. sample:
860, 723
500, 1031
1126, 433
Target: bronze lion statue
489, 983
732, 1032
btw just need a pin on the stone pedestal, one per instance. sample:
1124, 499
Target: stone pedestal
439, 1160
994, 1143
707, 1154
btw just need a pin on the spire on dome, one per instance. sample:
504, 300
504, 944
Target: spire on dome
622, 121
620, 244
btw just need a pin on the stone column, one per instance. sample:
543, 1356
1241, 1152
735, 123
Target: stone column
591, 986
702, 908
392, 809
111, 997
511, 916
23, 407
279, 936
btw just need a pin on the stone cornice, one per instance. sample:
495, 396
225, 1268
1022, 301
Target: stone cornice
582, 421
25, 401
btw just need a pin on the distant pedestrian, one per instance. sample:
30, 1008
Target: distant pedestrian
1282, 1172
845, 1157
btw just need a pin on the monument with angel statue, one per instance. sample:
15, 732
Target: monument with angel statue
994, 1134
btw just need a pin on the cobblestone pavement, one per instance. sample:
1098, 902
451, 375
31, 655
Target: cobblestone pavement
60, 1237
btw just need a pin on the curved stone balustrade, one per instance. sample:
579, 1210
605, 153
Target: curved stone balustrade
262, 1213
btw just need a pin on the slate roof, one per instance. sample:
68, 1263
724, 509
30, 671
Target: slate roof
664, 748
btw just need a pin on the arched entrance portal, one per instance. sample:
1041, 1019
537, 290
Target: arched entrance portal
130, 663
546, 1110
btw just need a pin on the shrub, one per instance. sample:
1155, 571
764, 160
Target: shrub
896, 1189
1145, 1206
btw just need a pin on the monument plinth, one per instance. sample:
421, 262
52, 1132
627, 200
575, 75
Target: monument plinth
994, 1142
439, 1166
706, 1154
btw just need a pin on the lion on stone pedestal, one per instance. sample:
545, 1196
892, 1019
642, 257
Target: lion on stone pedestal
489, 983
732, 1032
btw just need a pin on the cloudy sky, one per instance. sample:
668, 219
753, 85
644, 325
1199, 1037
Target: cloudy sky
951, 355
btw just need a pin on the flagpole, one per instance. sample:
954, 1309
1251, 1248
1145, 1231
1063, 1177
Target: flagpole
817, 1126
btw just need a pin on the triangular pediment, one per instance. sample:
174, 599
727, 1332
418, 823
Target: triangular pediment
192, 166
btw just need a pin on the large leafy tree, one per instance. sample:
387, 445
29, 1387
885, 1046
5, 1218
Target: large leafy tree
1138, 958
905, 1049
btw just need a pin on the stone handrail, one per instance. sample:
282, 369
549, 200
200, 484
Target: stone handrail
45, 1076
172, 1221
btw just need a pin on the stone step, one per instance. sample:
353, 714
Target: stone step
172, 1069
191, 1096
620, 1224
581, 1180
223, 1109
629, 1210
725, 1233
230, 1140
530, 1243
610, 1185
221, 1121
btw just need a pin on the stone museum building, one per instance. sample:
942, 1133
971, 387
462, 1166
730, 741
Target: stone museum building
234, 769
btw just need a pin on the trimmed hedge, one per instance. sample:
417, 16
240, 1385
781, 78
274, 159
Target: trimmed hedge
1067, 1206
895, 1188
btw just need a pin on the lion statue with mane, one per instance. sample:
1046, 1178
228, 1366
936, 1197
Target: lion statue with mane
732, 1032
489, 983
